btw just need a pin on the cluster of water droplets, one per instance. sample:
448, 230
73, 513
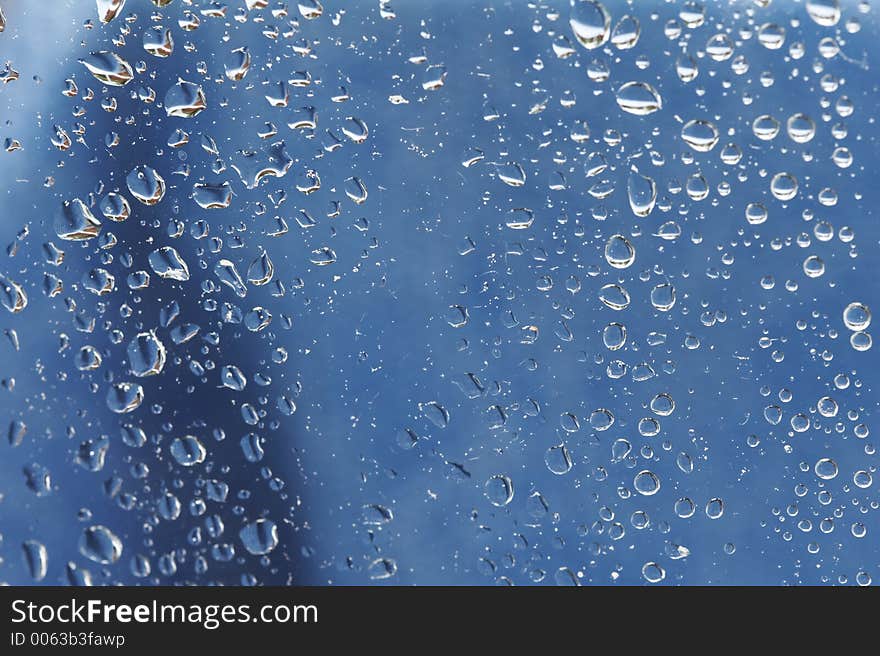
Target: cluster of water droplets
648, 125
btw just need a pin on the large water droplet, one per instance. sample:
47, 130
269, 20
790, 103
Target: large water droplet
642, 193
591, 23
185, 99
146, 185
146, 354
700, 135
259, 537
167, 263
619, 253
74, 221
99, 544
108, 68
187, 450
638, 98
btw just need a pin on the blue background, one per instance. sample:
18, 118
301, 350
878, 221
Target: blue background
369, 342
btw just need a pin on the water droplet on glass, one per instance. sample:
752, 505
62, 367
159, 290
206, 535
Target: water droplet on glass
99, 544
700, 135
185, 99
591, 23
146, 185
638, 98
108, 68
499, 490
619, 253
187, 450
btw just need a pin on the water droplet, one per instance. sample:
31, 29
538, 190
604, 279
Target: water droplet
12, 295
158, 41
167, 263
74, 221
436, 413
653, 572
590, 23
499, 490
800, 128
227, 273
626, 33
826, 469
638, 98
765, 127
642, 193
238, 64
646, 483
261, 270
614, 296
115, 207
700, 135
99, 544
124, 397
108, 68
619, 253
857, 316
558, 460
212, 196
824, 12
784, 186
185, 99
146, 354
663, 297
187, 450
109, 9
36, 558
146, 185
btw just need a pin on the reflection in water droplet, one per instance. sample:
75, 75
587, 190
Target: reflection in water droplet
558, 460
115, 207
212, 196
108, 68
638, 98
99, 544
646, 483
619, 253
800, 128
167, 263
146, 354
185, 99
700, 135
499, 490
642, 193
146, 185
857, 316
824, 12
626, 33
158, 41
74, 221
784, 186
109, 9
36, 558
124, 397
187, 450
590, 23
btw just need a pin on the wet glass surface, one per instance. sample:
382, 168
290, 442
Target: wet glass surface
438, 292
